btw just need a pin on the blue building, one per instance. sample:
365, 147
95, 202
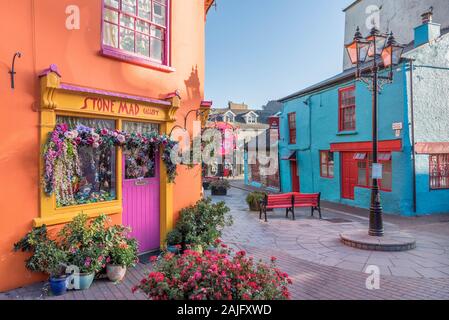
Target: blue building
326, 133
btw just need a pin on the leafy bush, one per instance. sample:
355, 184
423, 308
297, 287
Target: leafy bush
253, 199
47, 256
124, 250
174, 237
202, 223
217, 275
220, 184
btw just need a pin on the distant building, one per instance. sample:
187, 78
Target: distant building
325, 130
400, 16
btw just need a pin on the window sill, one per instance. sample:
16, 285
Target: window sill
63, 215
136, 60
346, 133
366, 187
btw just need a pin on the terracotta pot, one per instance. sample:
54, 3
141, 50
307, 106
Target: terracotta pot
115, 273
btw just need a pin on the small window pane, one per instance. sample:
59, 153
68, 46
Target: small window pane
362, 174
157, 33
143, 44
143, 27
158, 14
387, 176
112, 3
127, 21
111, 16
110, 35
127, 40
129, 6
145, 9
156, 49
324, 172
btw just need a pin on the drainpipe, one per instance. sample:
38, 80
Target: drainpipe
412, 118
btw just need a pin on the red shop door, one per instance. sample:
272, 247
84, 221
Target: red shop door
295, 176
348, 175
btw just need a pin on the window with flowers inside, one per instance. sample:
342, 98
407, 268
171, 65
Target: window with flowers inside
95, 180
136, 29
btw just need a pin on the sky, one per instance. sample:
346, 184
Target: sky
261, 50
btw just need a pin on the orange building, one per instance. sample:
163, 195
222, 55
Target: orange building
134, 65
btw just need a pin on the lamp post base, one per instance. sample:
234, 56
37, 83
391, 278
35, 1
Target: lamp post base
376, 226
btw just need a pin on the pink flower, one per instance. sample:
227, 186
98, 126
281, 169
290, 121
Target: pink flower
121, 138
87, 262
273, 259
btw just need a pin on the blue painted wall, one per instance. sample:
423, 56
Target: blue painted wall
317, 129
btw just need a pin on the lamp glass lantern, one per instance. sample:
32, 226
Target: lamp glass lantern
377, 42
358, 49
392, 53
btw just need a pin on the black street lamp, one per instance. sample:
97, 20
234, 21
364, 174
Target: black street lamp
370, 54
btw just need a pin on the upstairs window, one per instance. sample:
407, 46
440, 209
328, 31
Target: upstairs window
251, 119
292, 127
327, 164
439, 171
346, 109
137, 28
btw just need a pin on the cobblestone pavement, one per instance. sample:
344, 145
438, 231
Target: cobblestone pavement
309, 250
323, 268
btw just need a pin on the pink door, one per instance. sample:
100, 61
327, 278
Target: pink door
141, 198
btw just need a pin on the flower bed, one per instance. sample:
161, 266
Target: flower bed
214, 275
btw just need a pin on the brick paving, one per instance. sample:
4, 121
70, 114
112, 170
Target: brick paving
310, 251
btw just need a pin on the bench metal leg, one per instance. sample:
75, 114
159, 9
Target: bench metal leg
293, 213
260, 213
266, 220
312, 210
319, 210
286, 212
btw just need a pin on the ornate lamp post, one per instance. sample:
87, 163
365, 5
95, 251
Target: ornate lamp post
370, 54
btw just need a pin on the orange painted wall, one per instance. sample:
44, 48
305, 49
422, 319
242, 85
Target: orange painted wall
37, 29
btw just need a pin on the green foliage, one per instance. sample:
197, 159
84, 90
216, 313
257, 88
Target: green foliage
47, 256
253, 199
174, 237
122, 250
202, 223
221, 183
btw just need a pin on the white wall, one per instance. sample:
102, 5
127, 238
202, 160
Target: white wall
399, 16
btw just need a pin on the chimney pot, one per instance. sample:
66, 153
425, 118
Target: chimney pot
427, 17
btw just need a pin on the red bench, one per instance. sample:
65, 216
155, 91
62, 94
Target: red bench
290, 201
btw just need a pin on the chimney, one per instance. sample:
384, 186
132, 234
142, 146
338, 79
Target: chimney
428, 31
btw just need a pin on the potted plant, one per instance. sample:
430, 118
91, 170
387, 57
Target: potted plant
47, 257
121, 256
86, 247
174, 241
89, 261
254, 199
220, 187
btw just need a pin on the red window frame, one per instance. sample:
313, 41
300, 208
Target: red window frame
135, 57
326, 162
346, 109
368, 162
292, 127
439, 171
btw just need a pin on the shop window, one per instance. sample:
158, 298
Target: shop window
364, 169
97, 181
347, 109
292, 127
327, 164
439, 171
137, 27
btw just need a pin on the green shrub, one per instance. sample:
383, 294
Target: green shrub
202, 224
254, 198
47, 255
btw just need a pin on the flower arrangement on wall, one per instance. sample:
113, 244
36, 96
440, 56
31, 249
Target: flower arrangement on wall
63, 172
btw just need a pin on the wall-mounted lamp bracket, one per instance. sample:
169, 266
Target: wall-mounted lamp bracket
13, 71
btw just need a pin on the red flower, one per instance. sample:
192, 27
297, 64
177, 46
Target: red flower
273, 259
